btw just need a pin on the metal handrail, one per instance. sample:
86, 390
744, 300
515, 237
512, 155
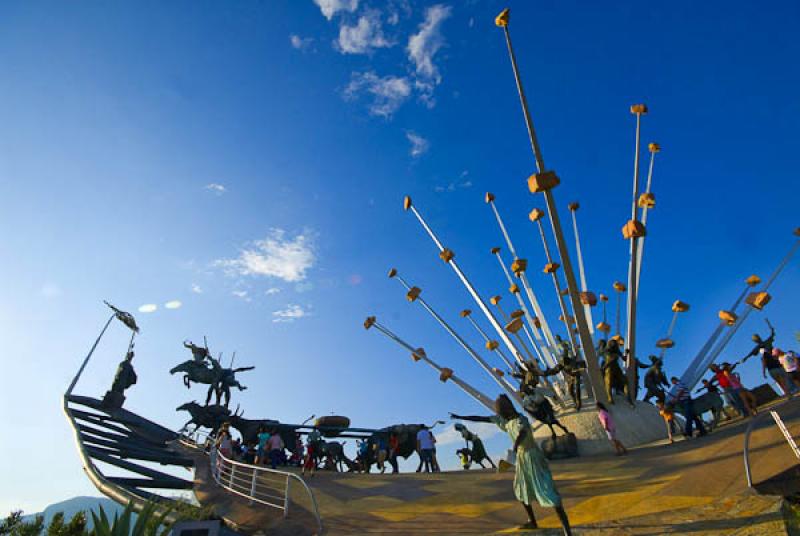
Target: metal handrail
244, 479
750, 427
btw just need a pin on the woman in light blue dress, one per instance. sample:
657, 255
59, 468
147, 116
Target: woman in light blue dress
532, 479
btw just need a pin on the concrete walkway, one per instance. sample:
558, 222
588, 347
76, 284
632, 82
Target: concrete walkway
691, 487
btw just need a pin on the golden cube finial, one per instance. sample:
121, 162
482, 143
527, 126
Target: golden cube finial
368, 323
753, 280
413, 293
406, 202
465, 313
680, 307
392, 273
536, 214
502, 19
654, 147
489, 197
640, 109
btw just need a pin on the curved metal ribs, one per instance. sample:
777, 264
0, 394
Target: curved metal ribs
124, 440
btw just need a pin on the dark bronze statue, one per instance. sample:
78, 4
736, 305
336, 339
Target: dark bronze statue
218, 378
211, 417
123, 379
199, 353
474, 445
613, 377
762, 345
535, 402
573, 371
655, 380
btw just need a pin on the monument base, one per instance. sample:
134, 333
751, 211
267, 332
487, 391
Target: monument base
635, 426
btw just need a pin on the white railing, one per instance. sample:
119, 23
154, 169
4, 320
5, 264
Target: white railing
781, 426
262, 485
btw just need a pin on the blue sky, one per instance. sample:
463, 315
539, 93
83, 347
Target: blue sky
249, 160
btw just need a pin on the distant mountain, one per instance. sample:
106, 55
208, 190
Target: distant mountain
72, 506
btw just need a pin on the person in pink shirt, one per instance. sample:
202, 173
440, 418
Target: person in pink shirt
746, 396
611, 429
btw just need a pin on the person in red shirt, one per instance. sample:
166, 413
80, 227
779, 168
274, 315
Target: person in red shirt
721, 378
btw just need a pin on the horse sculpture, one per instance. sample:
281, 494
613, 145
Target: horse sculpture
219, 379
210, 417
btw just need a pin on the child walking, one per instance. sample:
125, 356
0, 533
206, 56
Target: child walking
610, 428
669, 418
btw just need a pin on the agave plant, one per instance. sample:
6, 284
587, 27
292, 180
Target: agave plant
148, 522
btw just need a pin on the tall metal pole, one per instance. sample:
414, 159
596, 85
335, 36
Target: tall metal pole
543, 181
551, 268
587, 308
448, 257
495, 300
86, 359
646, 201
633, 231
491, 344
414, 295
619, 288
543, 353
677, 308
698, 365
751, 305
520, 266
419, 354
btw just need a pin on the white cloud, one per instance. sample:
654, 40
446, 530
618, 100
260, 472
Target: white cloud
301, 43
423, 46
450, 435
50, 290
271, 291
453, 186
216, 188
330, 8
196, 288
291, 313
364, 36
276, 256
419, 145
241, 294
387, 92
148, 308
174, 304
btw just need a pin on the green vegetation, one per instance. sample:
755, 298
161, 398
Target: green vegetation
151, 521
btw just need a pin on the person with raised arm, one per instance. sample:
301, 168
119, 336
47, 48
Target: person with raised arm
532, 479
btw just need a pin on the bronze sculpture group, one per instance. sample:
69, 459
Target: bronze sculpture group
204, 368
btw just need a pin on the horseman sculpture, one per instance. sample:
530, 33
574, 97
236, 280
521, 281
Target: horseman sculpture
219, 379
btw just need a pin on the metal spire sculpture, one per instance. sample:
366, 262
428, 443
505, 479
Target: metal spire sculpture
543, 181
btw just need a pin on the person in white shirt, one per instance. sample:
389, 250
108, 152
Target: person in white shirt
425, 444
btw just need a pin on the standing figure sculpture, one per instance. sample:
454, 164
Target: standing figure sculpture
476, 450
572, 369
655, 380
123, 379
763, 346
613, 377
636, 364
